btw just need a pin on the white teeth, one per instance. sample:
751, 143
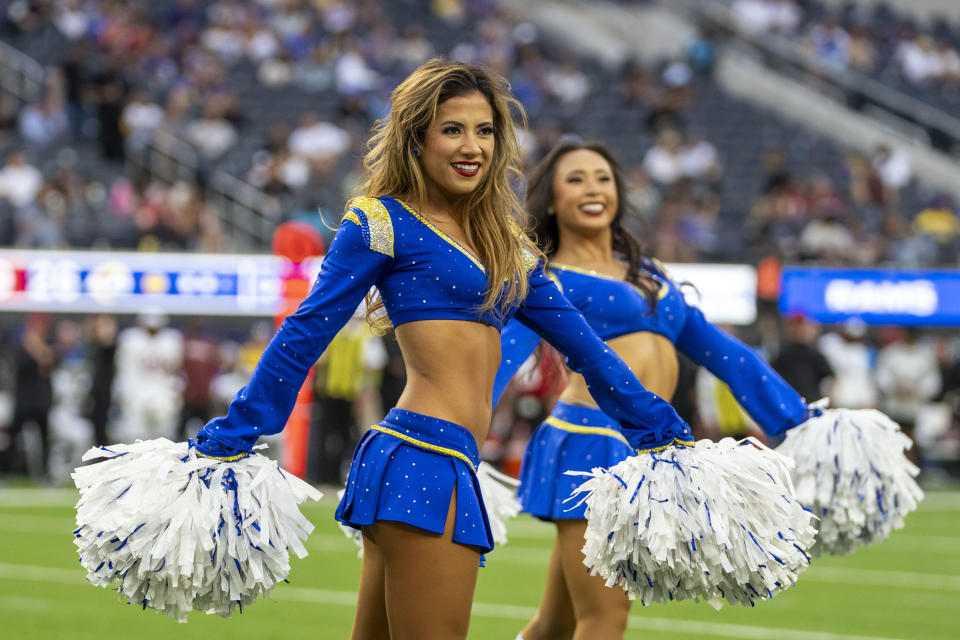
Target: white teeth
466, 167
592, 208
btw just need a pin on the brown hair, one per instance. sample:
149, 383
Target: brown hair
489, 214
547, 233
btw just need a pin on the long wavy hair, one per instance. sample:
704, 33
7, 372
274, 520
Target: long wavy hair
489, 214
547, 233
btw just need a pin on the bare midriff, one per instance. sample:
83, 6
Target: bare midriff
451, 366
650, 356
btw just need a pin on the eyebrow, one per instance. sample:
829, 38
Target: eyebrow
460, 124
604, 171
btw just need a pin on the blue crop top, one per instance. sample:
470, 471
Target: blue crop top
423, 274
615, 308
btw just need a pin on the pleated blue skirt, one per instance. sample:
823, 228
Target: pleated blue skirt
406, 469
572, 438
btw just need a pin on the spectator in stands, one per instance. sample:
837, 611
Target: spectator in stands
753, 17
352, 76
140, 118
320, 142
919, 60
44, 122
894, 168
664, 162
212, 134
698, 225
71, 19
8, 120
414, 47
568, 84
863, 53
827, 239
774, 170
111, 96
949, 61
830, 43
20, 181
643, 194
938, 221
699, 158
671, 97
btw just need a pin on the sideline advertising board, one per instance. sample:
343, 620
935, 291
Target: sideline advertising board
875, 296
250, 284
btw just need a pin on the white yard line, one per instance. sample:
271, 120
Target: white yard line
879, 578
26, 604
484, 609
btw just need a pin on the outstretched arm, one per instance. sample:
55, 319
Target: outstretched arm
517, 342
770, 401
263, 406
646, 420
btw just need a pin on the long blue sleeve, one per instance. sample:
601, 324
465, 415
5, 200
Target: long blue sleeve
770, 401
517, 342
263, 406
647, 421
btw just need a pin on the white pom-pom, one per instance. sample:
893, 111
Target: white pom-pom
716, 521
500, 497
177, 532
852, 472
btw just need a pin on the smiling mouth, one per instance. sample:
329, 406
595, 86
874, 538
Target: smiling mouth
592, 209
466, 169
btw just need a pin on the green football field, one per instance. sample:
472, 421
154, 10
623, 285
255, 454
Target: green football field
907, 587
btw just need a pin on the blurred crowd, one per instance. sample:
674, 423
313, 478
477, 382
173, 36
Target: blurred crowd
67, 384
874, 39
232, 79
71, 383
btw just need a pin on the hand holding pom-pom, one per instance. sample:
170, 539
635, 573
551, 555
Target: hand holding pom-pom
180, 532
716, 521
850, 469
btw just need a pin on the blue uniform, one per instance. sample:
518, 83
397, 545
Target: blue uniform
421, 274
616, 308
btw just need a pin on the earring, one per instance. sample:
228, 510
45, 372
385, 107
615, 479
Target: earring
416, 152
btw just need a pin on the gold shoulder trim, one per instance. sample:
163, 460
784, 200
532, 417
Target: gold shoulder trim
555, 278
352, 216
379, 224
529, 259
659, 265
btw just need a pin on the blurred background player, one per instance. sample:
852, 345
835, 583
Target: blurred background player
148, 382
35, 359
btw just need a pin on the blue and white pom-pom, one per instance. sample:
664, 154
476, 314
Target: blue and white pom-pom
178, 532
850, 469
716, 521
499, 493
